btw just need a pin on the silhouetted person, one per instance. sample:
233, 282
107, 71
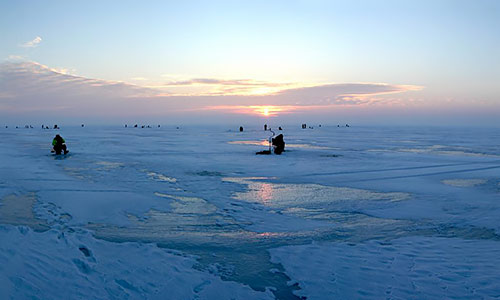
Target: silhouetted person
278, 144
304, 126
59, 145
279, 128
83, 125
265, 126
135, 126
241, 128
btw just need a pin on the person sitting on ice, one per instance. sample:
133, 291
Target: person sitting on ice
278, 144
59, 145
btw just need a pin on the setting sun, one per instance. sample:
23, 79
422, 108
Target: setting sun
267, 110
259, 110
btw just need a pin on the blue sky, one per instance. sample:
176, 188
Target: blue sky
448, 48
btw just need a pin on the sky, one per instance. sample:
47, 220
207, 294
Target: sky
366, 62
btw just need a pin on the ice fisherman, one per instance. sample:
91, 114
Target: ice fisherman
59, 145
278, 144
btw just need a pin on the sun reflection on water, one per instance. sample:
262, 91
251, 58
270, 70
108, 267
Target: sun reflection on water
265, 192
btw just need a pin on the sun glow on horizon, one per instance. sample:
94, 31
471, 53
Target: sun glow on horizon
269, 110
258, 110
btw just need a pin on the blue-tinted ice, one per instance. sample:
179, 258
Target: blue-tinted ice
202, 191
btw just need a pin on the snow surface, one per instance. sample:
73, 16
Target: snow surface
74, 265
193, 213
405, 268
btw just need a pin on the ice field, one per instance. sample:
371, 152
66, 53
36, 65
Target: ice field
193, 213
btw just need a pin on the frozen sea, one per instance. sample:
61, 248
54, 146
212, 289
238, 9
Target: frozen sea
193, 213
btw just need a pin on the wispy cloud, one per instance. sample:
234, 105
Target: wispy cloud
31, 78
33, 43
340, 93
15, 57
214, 81
223, 87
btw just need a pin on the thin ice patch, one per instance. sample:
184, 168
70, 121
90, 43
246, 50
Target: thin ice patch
447, 150
189, 205
18, 210
108, 165
464, 182
160, 177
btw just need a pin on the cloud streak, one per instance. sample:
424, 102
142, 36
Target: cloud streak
220, 87
33, 43
25, 79
29, 87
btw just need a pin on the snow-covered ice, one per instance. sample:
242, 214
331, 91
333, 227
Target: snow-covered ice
193, 213
404, 268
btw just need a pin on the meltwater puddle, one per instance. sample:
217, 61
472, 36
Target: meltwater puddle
310, 200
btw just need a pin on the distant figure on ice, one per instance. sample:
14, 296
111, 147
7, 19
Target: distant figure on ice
241, 128
278, 144
265, 127
304, 126
59, 145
